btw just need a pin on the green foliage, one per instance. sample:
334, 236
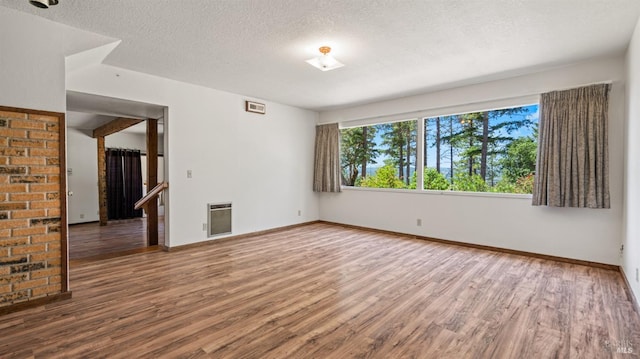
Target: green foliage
519, 159
400, 141
385, 177
473, 183
523, 185
432, 180
357, 147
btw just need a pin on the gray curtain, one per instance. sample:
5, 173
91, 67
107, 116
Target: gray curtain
573, 155
326, 177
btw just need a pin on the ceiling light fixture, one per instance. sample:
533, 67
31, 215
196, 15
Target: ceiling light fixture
43, 4
325, 62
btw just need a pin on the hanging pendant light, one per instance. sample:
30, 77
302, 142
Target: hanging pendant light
325, 62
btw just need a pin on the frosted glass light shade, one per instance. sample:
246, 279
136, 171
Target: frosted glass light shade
325, 62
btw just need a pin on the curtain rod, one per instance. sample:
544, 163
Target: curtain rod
418, 113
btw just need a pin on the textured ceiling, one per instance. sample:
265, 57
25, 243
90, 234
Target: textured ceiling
391, 48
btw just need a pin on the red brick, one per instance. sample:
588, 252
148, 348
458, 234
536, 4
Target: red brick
4, 252
44, 170
14, 223
28, 143
6, 206
48, 152
33, 248
14, 241
55, 262
4, 179
48, 187
53, 144
53, 179
4, 233
5, 270
6, 132
4, 160
5, 288
9, 114
28, 213
33, 125
53, 246
53, 212
30, 284
53, 127
45, 118
50, 289
27, 197
41, 161
55, 237
15, 297
14, 278
13, 170
29, 231
4, 142
55, 279
12, 151
44, 204
42, 135
48, 272
53, 161
13, 188
46, 256
28, 179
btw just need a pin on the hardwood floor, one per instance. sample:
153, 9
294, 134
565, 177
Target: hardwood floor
91, 240
325, 291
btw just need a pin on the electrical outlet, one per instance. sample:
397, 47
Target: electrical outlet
637, 275
204, 226
81, 215
189, 174
419, 222
299, 213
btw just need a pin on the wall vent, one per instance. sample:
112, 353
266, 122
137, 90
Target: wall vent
219, 219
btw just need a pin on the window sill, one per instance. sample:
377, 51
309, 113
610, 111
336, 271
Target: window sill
442, 193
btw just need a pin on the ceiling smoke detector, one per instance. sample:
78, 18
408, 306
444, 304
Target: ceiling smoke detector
43, 4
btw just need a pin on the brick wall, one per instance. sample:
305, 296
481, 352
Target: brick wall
32, 226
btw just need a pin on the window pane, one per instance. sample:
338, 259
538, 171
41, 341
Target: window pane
491, 151
380, 156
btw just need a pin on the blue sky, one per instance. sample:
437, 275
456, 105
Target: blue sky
531, 113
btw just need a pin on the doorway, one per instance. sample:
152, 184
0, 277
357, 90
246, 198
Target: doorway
93, 119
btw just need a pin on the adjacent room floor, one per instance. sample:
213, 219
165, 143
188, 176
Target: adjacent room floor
90, 240
326, 291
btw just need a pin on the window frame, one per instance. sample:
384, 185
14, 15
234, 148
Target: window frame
420, 116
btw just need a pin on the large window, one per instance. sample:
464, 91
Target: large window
489, 151
381, 156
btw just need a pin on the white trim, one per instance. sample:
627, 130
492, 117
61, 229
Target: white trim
446, 111
440, 193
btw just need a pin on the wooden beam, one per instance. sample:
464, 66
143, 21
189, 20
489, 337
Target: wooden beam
152, 181
114, 126
102, 182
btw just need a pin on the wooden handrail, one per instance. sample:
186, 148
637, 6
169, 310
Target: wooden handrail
151, 194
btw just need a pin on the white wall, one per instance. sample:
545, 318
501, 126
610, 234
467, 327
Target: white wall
259, 162
631, 230
32, 64
82, 160
586, 234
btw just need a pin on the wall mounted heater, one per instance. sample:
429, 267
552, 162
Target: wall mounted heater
219, 218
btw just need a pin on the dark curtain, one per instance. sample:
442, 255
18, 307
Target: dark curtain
133, 183
124, 183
